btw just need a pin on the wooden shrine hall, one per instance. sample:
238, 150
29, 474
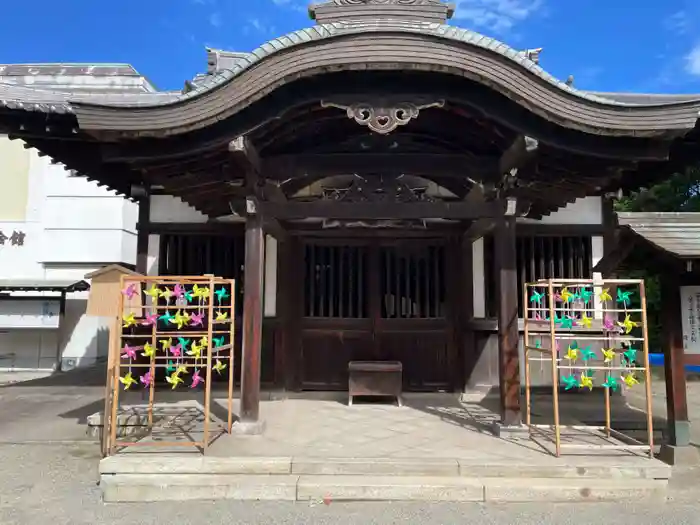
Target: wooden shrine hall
375, 148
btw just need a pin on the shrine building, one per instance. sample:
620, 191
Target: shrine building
381, 184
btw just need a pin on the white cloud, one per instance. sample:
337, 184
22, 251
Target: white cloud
679, 22
215, 19
692, 61
498, 16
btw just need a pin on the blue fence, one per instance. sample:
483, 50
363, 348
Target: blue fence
658, 360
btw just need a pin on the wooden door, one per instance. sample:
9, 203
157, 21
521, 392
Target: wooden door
370, 300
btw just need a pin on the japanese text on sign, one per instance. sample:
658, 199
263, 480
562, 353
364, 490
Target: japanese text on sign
16, 238
690, 313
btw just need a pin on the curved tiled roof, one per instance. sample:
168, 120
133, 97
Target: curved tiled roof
27, 98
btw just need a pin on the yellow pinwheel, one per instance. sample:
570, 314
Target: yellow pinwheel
166, 294
195, 351
219, 367
608, 355
605, 295
221, 316
571, 354
182, 369
204, 341
166, 343
153, 292
630, 379
586, 382
586, 321
129, 320
127, 381
628, 324
174, 379
180, 320
200, 293
566, 295
148, 350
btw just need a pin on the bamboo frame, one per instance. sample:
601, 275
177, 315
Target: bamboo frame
203, 362
609, 339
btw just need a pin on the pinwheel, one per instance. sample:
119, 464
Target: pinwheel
585, 295
571, 354
630, 355
204, 341
167, 317
188, 296
609, 325
128, 352
166, 343
587, 354
586, 321
536, 297
150, 320
624, 297
166, 293
608, 355
183, 342
221, 295
128, 380
130, 291
179, 291
604, 295
174, 379
630, 379
219, 367
196, 379
586, 381
200, 293
176, 350
196, 351
180, 319
153, 293
628, 325
221, 316
611, 383
197, 320
146, 379
567, 323
570, 382
566, 295
172, 367
218, 341
182, 369
148, 350
129, 320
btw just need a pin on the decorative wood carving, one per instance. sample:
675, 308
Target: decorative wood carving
389, 189
383, 116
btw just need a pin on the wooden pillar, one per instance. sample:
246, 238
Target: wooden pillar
676, 401
252, 319
508, 334
144, 219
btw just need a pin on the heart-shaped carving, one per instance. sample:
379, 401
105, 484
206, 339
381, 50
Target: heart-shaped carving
383, 120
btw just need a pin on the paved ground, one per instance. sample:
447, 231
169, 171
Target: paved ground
49, 475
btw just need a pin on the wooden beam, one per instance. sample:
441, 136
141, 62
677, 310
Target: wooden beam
144, 218
381, 210
674, 361
252, 319
243, 151
508, 335
325, 165
192, 228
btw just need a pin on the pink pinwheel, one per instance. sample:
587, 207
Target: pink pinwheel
150, 320
609, 325
196, 379
179, 291
176, 350
147, 379
128, 352
130, 291
196, 320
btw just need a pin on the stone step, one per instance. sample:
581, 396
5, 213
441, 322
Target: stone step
598, 468
287, 487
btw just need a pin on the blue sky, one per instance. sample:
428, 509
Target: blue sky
608, 45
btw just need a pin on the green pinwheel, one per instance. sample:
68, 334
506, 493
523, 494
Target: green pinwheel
221, 294
188, 296
587, 354
184, 343
167, 317
536, 297
611, 383
630, 355
624, 297
585, 295
218, 341
567, 323
172, 367
570, 382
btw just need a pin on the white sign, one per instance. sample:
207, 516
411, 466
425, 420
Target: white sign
29, 313
690, 315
